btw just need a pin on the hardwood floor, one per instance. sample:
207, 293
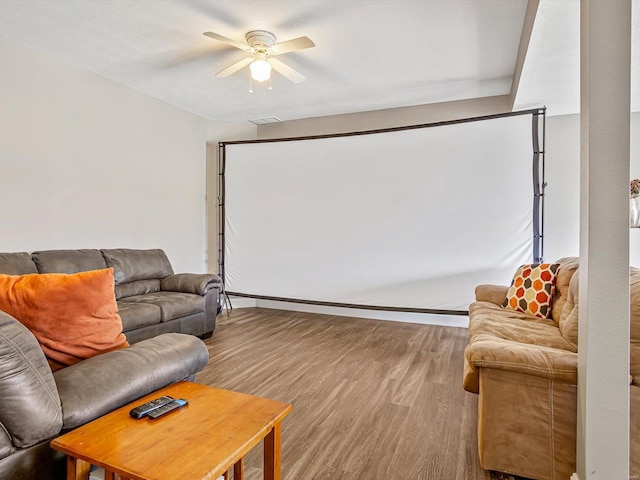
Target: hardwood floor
372, 399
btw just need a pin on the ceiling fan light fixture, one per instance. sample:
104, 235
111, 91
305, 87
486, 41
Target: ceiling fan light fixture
262, 48
260, 69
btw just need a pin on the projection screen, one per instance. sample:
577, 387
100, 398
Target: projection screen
407, 219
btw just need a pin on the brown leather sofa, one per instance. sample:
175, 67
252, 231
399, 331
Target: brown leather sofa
37, 405
151, 299
524, 370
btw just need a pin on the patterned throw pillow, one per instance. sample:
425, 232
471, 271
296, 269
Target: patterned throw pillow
532, 289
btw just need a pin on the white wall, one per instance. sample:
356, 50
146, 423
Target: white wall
562, 196
562, 202
88, 163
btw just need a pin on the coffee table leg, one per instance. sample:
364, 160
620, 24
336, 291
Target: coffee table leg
272, 453
113, 476
77, 469
238, 470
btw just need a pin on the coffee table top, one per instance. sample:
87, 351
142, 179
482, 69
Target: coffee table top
201, 440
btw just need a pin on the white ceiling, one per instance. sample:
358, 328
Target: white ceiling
369, 54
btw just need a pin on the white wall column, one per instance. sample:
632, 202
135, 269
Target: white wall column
603, 359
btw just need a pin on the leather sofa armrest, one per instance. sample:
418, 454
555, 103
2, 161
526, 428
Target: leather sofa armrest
100, 384
198, 283
495, 294
517, 357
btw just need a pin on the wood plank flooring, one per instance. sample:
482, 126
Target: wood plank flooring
373, 400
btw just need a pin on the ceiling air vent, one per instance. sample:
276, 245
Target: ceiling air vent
262, 121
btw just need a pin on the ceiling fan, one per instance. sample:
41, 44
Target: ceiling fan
262, 48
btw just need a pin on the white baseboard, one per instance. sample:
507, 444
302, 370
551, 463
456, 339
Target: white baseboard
421, 318
242, 302
574, 477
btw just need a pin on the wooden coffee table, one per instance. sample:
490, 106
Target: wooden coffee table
202, 440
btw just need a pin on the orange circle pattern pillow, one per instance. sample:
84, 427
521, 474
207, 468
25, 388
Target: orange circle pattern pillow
532, 289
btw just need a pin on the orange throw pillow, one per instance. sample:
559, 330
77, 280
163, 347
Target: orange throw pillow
532, 289
73, 316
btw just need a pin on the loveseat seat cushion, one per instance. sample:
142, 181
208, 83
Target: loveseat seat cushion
130, 265
68, 261
17, 263
100, 384
488, 319
137, 315
172, 304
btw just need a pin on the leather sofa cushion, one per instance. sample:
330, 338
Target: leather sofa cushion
130, 265
17, 264
196, 283
87, 388
6, 447
136, 315
488, 319
31, 409
139, 287
68, 261
172, 304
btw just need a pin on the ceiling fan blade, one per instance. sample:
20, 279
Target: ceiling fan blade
228, 41
286, 71
234, 68
292, 45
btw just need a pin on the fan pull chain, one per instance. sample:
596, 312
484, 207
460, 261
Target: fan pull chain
250, 85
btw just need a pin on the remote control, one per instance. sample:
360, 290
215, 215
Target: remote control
169, 407
142, 410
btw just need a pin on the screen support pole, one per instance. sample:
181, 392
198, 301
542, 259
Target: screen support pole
224, 297
539, 184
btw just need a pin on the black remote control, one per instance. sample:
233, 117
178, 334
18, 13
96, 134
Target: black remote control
169, 407
142, 410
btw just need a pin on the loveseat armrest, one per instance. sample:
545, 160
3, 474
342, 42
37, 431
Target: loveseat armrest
100, 384
499, 354
491, 293
198, 283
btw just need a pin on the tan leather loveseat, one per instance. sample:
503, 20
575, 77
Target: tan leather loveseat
524, 370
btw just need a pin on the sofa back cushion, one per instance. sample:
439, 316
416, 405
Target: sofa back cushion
569, 316
139, 287
30, 408
568, 267
635, 325
131, 265
68, 261
17, 263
